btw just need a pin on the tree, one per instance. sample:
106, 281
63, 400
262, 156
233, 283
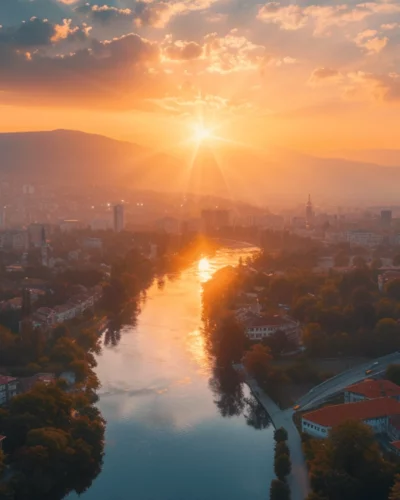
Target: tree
280, 435
279, 490
2, 464
282, 466
257, 360
396, 260
359, 262
281, 448
376, 263
341, 259
348, 465
393, 373
395, 491
393, 289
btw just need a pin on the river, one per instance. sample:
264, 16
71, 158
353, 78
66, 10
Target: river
166, 438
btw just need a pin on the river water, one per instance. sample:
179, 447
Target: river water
166, 438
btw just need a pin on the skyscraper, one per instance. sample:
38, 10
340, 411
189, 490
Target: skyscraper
309, 211
386, 218
118, 218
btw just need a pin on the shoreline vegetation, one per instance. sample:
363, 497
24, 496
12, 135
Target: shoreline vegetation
54, 433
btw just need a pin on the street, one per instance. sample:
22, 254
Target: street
336, 384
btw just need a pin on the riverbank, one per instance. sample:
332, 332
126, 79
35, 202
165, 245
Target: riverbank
298, 480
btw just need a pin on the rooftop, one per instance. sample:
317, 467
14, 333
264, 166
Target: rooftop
258, 320
332, 415
4, 379
373, 389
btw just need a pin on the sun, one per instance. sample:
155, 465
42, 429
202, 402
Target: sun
201, 133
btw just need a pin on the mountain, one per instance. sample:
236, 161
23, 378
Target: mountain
387, 157
261, 177
72, 156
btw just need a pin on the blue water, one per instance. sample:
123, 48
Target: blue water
165, 437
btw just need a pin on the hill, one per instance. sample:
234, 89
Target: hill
259, 177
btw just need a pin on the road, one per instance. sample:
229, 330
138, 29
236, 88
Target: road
298, 480
336, 384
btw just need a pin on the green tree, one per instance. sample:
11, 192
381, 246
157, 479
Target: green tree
281, 448
280, 435
348, 465
282, 466
279, 490
257, 361
393, 373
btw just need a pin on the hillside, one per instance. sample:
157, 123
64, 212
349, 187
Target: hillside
261, 177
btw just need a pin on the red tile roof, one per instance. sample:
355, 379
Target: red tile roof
375, 388
330, 416
5, 380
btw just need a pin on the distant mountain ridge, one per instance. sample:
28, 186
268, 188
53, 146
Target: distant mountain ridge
259, 177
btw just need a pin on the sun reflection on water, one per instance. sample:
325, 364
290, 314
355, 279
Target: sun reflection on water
204, 269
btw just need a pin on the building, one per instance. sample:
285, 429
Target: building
309, 212
95, 243
70, 225
386, 277
386, 219
371, 389
26, 383
376, 413
119, 222
37, 235
8, 389
259, 327
364, 238
215, 219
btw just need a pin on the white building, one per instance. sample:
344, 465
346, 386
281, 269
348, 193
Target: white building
8, 388
363, 238
376, 413
259, 327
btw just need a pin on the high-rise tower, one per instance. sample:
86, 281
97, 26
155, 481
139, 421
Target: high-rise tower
309, 211
118, 218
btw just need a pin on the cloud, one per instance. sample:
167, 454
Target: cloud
114, 73
182, 50
104, 14
38, 33
143, 12
322, 17
290, 17
378, 87
323, 75
369, 40
232, 53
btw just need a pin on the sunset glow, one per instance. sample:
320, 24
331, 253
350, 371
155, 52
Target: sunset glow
202, 133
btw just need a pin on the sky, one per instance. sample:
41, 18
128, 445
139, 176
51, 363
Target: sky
315, 76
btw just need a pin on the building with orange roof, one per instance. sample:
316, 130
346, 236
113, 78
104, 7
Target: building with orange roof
371, 389
376, 413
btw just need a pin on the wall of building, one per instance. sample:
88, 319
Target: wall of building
313, 429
